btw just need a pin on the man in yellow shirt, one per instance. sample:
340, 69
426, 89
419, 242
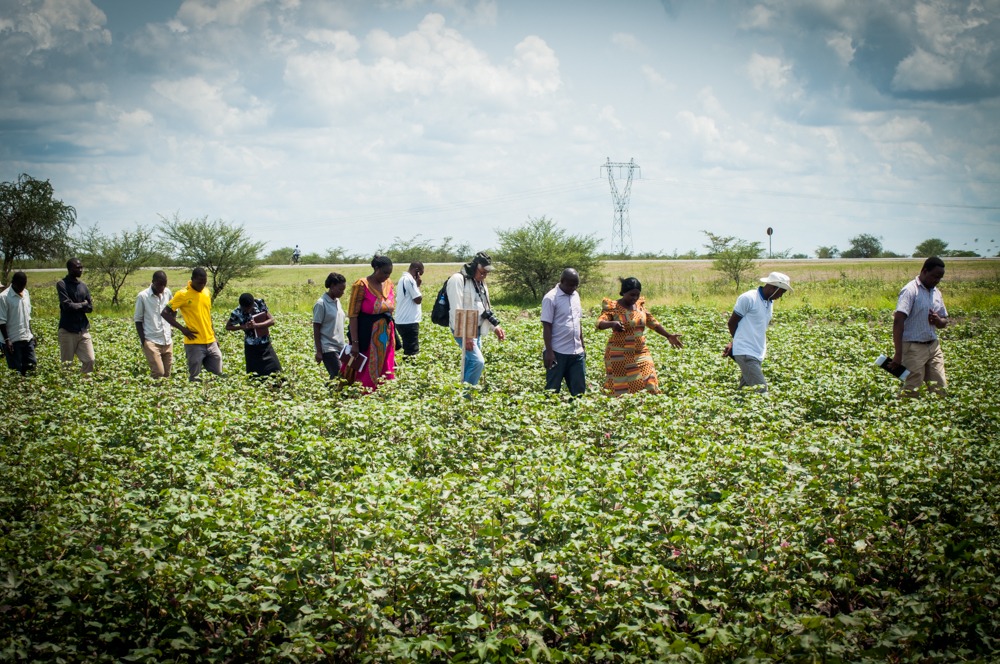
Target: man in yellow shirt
195, 304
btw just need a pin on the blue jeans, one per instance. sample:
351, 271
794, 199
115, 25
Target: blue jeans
474, 362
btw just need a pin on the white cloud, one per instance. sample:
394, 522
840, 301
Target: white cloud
137, 119
58, 24
769, 72
538, 65
344, 43
205, 105
898, 129
923, 71
628, 42
842, 44
432, 61
199, 13
654, 78
757, 17
608, 116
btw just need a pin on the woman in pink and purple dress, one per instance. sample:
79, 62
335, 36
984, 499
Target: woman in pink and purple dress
373, 332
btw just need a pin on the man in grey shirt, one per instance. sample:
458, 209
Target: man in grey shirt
328, 324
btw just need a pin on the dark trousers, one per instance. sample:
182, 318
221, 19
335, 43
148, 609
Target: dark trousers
410, 334
22, 357
572, 369
331, 361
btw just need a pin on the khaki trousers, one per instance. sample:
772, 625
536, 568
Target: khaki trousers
78, 344
926, 365
159, 357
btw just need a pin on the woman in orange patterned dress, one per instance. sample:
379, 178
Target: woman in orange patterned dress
627, 359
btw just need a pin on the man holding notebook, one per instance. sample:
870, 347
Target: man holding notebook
195, 304
919, 314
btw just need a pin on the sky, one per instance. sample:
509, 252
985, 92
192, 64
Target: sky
351, 123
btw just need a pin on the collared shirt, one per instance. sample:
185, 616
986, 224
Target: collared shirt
15, 313
917, 301
565, 314
408, 311
330, 316
196, 307
148, 307
74, 305
751, 333
239, 317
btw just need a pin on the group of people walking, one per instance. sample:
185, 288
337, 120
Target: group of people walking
382, 319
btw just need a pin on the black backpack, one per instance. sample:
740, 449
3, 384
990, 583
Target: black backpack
440, 311
439, 314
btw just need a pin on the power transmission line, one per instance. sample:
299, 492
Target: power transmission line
621, 228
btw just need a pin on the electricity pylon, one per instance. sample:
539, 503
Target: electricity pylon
621, 229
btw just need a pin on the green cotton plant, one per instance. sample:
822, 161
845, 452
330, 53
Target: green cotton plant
230, 520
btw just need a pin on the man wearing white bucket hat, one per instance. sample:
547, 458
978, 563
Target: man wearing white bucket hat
748, 327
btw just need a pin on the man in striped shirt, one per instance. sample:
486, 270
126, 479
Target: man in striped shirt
919, 314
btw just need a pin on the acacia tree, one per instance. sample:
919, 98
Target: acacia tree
531, 258
33, 224
827, 252
415, 249
733, 257
226, 251
931, 247
863, 246
115, 257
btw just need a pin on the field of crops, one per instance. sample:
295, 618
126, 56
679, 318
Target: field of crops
230, 521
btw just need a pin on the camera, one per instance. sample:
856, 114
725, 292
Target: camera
491, 317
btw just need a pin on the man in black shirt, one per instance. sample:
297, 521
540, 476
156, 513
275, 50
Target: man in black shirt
75, 303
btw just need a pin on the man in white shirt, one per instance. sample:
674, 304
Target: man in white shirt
155, 335
562, 333
328, 325
919, 314
15, 325
748, 327
467, 290
408, 313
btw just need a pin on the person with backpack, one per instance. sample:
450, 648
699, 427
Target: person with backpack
466, 289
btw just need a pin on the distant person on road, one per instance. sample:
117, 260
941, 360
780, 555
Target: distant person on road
155, 335
408, 313
748, 327
373, 333
627, 360
255, 321
467, 290
919, 314
15, 325
195, 303
562, 333
75, 303
296, 255
328, 325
